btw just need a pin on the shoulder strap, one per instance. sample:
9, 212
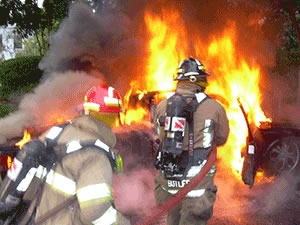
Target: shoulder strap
53, 135
197, 100
75, 146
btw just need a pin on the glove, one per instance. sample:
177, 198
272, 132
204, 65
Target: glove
43, 156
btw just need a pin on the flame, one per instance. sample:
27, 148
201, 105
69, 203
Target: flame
236, 79
26, 138
232, 77
8, 162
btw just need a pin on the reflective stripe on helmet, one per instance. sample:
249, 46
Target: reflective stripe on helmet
110, 91
57, 181
202, 68
110, 101
192, 194
190, 73
108, 218
91, 106
103, 98
100, 192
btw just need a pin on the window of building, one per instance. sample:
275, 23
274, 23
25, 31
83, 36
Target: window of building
1, 43
17, 41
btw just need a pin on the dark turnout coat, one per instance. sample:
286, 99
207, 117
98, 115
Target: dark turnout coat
210, 125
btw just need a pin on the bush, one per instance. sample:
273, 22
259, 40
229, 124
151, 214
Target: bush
286, 60
19, 75
6, 108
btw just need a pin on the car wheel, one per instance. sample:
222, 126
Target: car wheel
283, 155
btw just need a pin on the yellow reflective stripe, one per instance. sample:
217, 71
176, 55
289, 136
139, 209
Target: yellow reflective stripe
201, 67
94, 191
109, 101
91, 106
61, 183
58, 182
108, 218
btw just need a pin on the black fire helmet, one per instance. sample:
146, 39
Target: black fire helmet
190, 69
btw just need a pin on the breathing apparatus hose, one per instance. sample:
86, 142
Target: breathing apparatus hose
180, 195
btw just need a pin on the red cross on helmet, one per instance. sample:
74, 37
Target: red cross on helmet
103, 98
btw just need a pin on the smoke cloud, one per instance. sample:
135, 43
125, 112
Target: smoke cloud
103, 41
134, 192
56, 97
270, 201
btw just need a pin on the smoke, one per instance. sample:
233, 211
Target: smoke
270, 201
86, 40
282, 97
56, 97
134, 192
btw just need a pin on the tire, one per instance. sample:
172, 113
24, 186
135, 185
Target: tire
283, 155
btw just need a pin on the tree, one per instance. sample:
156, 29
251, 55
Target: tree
30, 20
291, 11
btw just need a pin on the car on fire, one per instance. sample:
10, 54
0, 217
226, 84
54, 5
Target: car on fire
277, 145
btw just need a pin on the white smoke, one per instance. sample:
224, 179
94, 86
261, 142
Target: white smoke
58, 95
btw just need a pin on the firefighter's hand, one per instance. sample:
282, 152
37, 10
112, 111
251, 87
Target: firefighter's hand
38, 150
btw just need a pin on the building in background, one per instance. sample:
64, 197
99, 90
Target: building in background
10, 43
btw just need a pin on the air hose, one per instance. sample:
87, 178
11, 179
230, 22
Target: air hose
158, 211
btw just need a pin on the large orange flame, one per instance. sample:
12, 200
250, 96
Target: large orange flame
232, 77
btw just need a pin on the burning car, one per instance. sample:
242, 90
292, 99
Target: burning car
271, 148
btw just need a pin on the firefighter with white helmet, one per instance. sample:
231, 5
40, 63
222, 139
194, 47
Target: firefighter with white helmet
67, 173
188, 123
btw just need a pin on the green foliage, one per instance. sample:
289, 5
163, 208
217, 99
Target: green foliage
286, 60
31, 47
6, 108
289, 36
19, 75
30, 20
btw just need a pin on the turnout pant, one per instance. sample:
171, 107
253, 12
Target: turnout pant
191, 210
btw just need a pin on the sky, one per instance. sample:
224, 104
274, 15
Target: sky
40, 3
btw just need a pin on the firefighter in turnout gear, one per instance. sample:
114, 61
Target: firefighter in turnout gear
188, 123
67, 173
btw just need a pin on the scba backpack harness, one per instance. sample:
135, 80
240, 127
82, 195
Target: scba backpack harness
75, 146
51, 161
171, 159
